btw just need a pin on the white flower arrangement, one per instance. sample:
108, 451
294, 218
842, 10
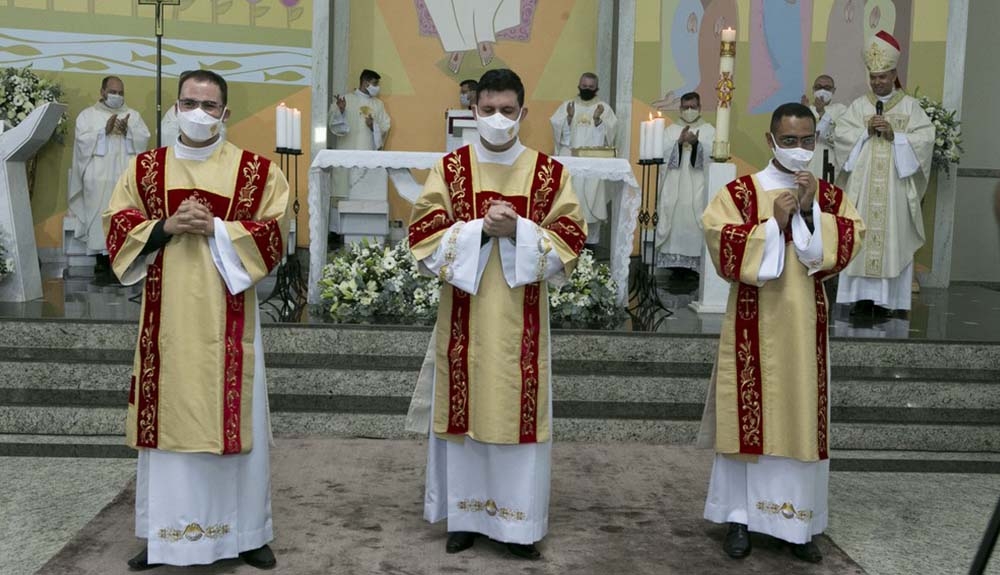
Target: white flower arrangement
21, 91
948, 137
366, 282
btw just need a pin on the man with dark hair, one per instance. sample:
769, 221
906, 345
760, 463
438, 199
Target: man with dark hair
359, 121
687, 144
495, 222
107, 134
202, 221
886, 143
586, 121
776, 236
467, 93
827, 113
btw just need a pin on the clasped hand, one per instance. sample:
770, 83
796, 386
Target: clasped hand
786, 204
191, 218
500, 220
878, 125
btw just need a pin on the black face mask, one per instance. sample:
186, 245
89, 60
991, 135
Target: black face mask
586, 94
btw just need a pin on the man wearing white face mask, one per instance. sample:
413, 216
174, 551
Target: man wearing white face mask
827, 112
107, 134
582, 122
776, 236
682, 191
359, 122
495, 222
202, 221
886, 143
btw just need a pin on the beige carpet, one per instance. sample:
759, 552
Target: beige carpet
355, 506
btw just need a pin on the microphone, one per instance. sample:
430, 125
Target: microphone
878, 112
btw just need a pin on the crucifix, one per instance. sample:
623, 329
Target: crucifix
158, 28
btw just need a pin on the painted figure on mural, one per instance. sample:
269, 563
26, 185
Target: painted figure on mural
465, 26
776, 236
586, 121
202, 222
108, 134
779, 53
886, 143
496, 222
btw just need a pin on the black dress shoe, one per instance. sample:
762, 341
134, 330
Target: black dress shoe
141, 561
459, 541
807, 552
261, 557
864, 307
737, 541
524, 551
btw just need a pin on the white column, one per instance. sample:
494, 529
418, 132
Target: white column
714, 290
944, 212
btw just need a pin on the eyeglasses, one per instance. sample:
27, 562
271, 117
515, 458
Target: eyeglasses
188, 104
790, 141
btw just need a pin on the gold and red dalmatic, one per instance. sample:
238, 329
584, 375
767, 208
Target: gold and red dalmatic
500, 335
774, 332
192, 386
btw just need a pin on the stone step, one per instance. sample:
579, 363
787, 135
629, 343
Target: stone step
105, 384
22, 338
871, 431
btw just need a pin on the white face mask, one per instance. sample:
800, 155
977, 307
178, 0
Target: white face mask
198, 125
372, 90
793, 159
114, 100
825, 95
497, 129
464, 99
690, 115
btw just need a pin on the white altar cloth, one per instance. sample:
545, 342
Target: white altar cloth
624, 203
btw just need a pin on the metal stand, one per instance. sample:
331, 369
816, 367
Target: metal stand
648, 311
288, 298
158, 29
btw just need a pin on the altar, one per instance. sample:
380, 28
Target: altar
617, 171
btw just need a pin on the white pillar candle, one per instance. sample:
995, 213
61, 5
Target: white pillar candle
288, 127
279, 126
659, 126
724, 91
728, 35
296, 143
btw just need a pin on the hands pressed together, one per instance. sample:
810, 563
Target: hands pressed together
191, 218
500, 220
786, 204
116, 125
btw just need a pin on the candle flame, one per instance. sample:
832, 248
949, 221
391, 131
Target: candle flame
659, 114
650, 116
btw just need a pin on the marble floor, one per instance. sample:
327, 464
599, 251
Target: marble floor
962, 312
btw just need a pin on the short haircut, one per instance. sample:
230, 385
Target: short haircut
369, 75
501, 80
790, 110
692, 96
106, 79
591, 76
470, 84
205, 76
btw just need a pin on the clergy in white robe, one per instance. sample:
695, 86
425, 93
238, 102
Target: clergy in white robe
202, 222
108, 134
887, 163
359, 122
683, 198
586, 121
776, 236
495, 222
827, 113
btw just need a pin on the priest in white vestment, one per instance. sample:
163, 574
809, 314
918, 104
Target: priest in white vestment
359, 121
886, 143
827, 113
495, 222
202, 222
775, 236
586, 121
683, 198
108, 134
